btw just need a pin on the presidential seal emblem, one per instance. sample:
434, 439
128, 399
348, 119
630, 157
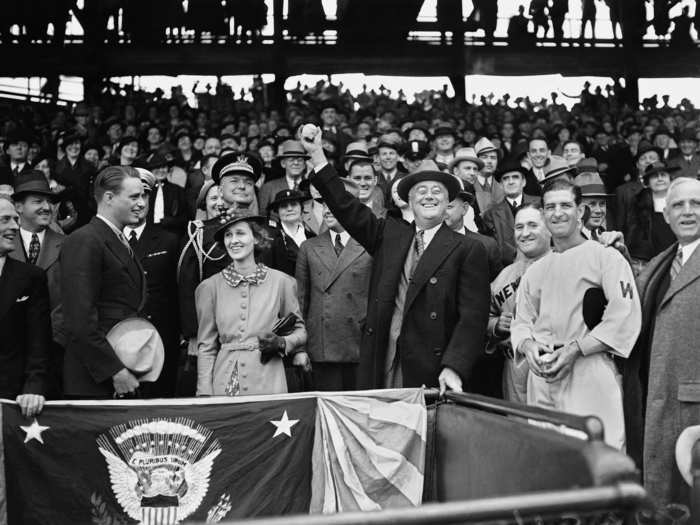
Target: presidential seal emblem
159, 469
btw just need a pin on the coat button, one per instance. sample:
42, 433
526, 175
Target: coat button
433, 280
244, 306
433, 315
370, 331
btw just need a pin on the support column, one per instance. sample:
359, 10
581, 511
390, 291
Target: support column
457, 78
633, 29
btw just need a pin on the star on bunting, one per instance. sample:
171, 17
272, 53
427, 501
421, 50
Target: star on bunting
284, 425
34, 431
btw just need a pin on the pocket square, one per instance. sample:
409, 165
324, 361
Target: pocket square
155, 254
22, 299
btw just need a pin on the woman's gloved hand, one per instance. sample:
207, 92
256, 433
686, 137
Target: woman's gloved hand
271, 345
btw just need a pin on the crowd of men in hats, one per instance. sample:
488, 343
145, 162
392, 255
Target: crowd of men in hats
548, 264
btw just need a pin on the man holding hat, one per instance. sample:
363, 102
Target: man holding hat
687, 160
102, 283
428, 297
488, 190
595, 198
39, 245
157, 250
167, 202
24, 321
293, 161
499, 218
202, 256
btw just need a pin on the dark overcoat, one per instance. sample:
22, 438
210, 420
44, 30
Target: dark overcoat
447, 302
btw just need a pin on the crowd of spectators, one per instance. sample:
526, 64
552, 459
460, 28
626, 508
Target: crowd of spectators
265, 272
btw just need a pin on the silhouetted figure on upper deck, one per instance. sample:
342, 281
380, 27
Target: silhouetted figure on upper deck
557, 12
661, 21
615, 8
206, 16
306, 17
538, 12
588, 16
518, 35
680, 37
449, 17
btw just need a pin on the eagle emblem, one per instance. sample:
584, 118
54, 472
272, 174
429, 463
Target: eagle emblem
159, 469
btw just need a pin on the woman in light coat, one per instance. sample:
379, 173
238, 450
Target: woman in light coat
237, 308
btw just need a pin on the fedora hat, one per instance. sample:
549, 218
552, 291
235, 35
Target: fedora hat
33, 182
430, 174
466, 154
292, 148
508, 166
467, 193
233, 163
484, 145
441, 131
233, 216
156, 160
688, 134
356, 151
138, 346
147, 178
287, 196
645, 147
587, 165
591, 185
555, 167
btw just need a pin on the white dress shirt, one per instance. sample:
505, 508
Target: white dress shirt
159, 205
297, 236
3, 258
138, 230
428, 235
344, 237
688, 249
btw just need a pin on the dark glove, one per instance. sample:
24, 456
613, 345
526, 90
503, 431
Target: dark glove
271, 345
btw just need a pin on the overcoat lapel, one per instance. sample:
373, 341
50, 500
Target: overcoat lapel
9, 280
689, 273
437, 251
132, 265
18, 251
351, 252
325, 252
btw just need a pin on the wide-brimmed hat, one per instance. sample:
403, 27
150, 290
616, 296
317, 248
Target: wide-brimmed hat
292, 148
287, 196
417, 150
658, 167
33, 182
646, 146
508, 166
555, 167
233, 163
466, 154
396, 146
587, 165
356, 151
419, 127
591, 185
233, 216
138, 346
449, 181
484, 145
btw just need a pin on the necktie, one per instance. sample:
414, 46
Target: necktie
34, 247
133, 239
677, 264
159, 206
338, 245
487, 185
419, 247
513, 207
125, 243
296, 185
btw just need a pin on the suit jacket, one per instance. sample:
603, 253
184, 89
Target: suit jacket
102, 284
485, 199
493, 252
176, 211
624, 204
268, 192
446, 306
6, 175
48, 261
532, 185
499, 223
686, 169
332, 295
661, 381
26, 329
283, 253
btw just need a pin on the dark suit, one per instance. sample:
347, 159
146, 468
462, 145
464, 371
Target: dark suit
446, 305
624, 203
8, 177
685, 169
500, 224
332, 293
157, 251
102, 284
175, 208
48, 261
532, 185
493, 253
269, 190
26, 330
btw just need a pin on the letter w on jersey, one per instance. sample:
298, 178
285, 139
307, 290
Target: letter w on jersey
626, 288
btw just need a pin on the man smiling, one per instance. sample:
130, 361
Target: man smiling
569, 355
428, 299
